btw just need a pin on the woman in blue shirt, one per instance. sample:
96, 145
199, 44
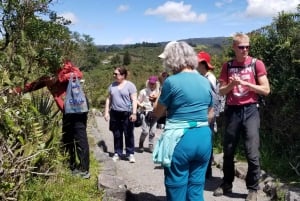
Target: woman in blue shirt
185, 146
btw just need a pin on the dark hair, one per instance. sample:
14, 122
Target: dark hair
122, 70
206, 65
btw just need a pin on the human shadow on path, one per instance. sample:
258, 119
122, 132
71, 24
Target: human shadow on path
143, 196
214, 182
102, 145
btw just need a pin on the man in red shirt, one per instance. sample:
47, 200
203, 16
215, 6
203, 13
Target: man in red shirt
241, 86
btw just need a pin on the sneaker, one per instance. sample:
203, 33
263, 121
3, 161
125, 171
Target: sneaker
223, 189
131, 158
215, 127
83, 174
141, 149
151, 148
252, 195
116, 157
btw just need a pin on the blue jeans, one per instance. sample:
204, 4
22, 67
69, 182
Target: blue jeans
120, 124
185, 179
242, 121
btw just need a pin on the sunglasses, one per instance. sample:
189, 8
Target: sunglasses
242, 47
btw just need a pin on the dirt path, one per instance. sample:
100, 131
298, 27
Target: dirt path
146, 179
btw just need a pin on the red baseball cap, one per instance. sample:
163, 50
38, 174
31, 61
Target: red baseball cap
204, 56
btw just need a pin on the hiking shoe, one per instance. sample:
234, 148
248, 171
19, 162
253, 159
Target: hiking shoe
116, 157
223, 189
83, 174
252, 195
131, 158
141, 149
151, 148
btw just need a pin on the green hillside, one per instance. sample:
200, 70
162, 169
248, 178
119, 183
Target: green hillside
144, 62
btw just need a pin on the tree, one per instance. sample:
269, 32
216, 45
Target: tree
116, 60
126, 58
31, 47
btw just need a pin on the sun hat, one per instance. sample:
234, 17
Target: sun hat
204, 56
163, 55
152, 79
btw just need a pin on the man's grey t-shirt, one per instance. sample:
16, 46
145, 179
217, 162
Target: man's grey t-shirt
121, 98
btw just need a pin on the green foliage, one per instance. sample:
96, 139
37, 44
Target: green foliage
116, 60
277, 45
25, 144
31, 47
63, 187
86, 56
126, 58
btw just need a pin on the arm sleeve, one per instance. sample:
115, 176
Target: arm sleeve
223, 75
260, 68
35, 85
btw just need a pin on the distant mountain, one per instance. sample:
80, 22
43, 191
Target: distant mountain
212, 42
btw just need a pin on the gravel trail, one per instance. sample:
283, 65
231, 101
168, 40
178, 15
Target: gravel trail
145, 180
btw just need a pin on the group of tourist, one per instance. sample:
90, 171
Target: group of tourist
183, 96
186, 98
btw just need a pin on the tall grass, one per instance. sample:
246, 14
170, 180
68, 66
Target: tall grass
63, 186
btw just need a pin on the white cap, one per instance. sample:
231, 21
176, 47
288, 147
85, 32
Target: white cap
168, 46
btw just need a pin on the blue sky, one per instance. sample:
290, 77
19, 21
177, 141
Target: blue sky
135, 21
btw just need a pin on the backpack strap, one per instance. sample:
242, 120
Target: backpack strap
229, 65
211, 84
253, 67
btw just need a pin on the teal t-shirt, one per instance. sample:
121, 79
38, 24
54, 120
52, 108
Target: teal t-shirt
187, 96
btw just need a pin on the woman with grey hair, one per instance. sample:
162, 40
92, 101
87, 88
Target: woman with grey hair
184, 148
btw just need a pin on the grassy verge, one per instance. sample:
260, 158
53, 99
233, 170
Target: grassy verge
64, 187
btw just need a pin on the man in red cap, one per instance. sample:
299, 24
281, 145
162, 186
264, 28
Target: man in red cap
205, 68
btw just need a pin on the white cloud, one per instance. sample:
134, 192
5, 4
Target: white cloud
122, 8
177, 12
69, 16
222, 3
270, 8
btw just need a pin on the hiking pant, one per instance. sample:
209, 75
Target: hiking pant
74, 139
242, 121
120, 124
185, 179
148, 126
209, 168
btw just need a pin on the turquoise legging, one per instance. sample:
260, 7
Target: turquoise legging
185, 179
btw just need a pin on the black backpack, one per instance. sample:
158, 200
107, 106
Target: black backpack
261, 100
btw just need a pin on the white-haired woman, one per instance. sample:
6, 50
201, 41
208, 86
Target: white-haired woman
185, 146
